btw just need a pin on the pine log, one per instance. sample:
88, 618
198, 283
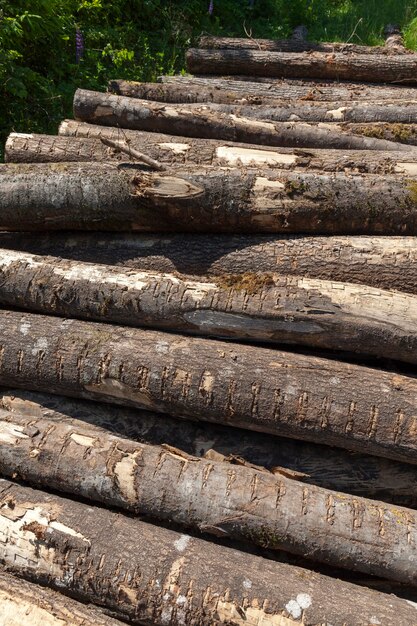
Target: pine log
383, 262
313, 464
293, 395
401, 133
62, 196
314, 313
393, 45
25, 604
268, 107
295, 89
230, 501
152, 575
193, 121
374, 68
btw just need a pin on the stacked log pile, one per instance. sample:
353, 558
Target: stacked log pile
208, 341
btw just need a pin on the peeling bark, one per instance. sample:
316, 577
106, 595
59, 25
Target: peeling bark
293, 395
199, 121
227, 500
254, 306
313, 464
25, 604
60, 196
156, 576
391, 111
394, 45
388, 68
308, 90
381, 262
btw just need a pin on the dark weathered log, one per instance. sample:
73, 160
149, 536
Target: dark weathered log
95, 196
394, 45
401, 133
311, 312
231, 501
391, 68
309, 90
25, 604
199, 121
383, 262
313, 464
392, 111
298, 396
152, 575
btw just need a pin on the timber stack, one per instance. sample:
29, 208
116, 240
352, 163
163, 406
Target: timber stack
208, 346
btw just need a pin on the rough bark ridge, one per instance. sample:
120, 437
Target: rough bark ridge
299, 45
128, 197
179, 119
391, 111
25, 604
334, 65
293, 395
381, 262
253, 306
240, 502
156, 576
313, 464
309, 90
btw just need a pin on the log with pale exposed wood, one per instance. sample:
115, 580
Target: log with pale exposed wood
313, 464
25, 604
261, 389
390, 111
152, 575
199, 121
314, 313
230, 501
374, 68
394, 44
383, 262
101, 196
294, 89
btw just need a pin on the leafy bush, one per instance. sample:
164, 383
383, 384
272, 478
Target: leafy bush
140, 39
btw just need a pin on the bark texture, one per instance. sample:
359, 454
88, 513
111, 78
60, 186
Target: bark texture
151, 575
300, 45
330, 66
254, 306
405, 134
193, 121
231, 501
25, 604
381, 262
293, 395
78, 141
127, 197
391, 111
313, 464
308, 90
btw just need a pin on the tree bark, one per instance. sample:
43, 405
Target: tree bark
152, 575
293, 395
390, 111
381, 262
313, 464
313, 313
193, 121
401, 133
295, 89
25, 604
329, 66
127, 197
300, 45
228, 500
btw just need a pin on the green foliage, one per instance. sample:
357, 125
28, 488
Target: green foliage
141, 39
